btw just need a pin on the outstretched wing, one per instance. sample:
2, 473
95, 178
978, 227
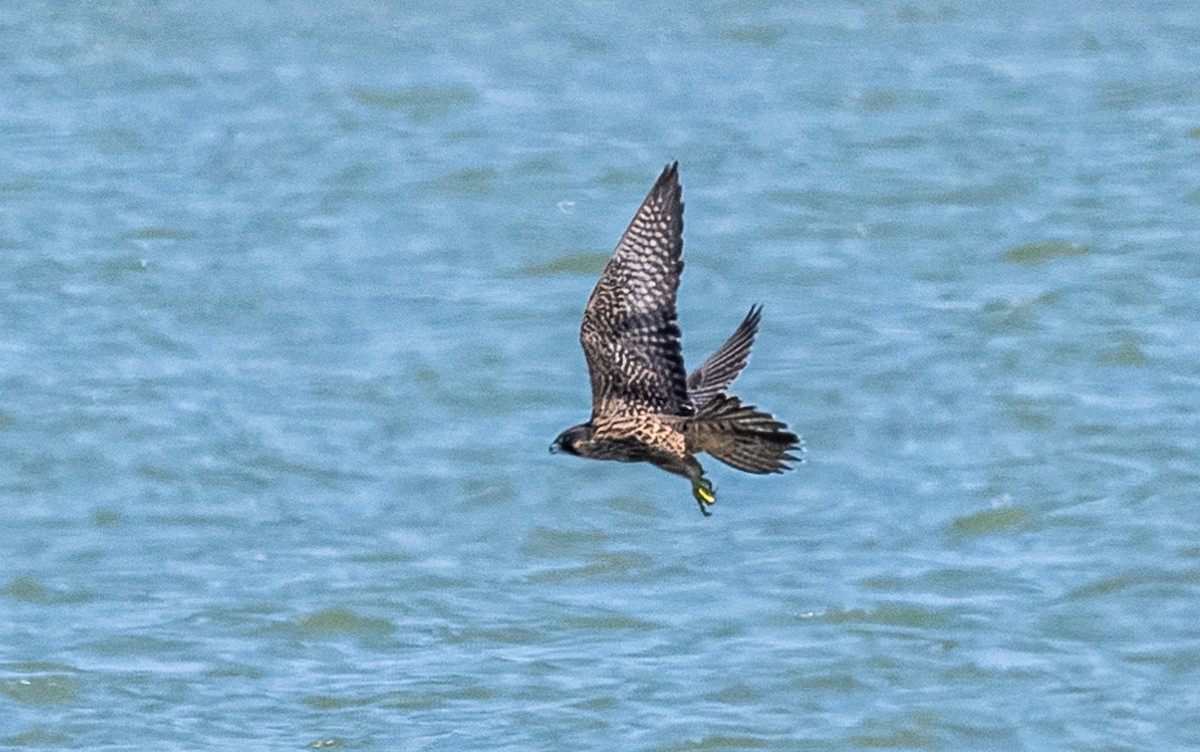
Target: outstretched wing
630, 331
715, 375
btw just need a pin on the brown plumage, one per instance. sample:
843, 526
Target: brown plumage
645, 407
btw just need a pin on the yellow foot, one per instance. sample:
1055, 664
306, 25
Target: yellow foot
702, 489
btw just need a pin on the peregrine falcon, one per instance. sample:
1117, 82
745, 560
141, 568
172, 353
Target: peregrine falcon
645, 406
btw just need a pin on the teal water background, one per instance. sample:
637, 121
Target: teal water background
289, 299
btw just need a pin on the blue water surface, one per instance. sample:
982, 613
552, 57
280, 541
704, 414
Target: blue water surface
290, 299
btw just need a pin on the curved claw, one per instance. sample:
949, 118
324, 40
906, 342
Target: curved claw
702, 490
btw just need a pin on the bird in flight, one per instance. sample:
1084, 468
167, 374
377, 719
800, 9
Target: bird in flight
645, 406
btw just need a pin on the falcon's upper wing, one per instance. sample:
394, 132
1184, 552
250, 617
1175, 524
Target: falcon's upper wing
630, 331
715, 375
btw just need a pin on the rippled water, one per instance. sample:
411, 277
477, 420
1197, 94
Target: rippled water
291, 299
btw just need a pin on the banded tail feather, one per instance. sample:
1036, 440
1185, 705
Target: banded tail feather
742, 436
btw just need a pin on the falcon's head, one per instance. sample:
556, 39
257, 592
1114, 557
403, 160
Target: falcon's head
568, 440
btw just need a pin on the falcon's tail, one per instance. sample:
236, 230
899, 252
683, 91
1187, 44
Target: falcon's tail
741, 436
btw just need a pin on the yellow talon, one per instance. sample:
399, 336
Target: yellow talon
702, 489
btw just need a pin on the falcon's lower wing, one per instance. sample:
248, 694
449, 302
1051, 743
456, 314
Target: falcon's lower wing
715, 375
